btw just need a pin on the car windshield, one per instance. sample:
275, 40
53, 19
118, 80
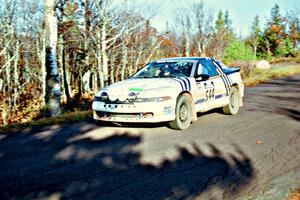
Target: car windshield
165, 69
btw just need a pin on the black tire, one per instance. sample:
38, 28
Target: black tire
183, 112
234, 102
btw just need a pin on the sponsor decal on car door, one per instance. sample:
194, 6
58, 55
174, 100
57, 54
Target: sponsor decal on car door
205, 94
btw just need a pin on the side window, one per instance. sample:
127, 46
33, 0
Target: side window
201, 69
210, 67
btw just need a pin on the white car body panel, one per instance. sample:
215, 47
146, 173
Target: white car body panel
163, 111
206, 95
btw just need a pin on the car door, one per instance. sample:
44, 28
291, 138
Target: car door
205, 89
211, 91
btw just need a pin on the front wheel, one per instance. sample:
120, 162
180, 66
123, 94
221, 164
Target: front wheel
183, 113
233, 107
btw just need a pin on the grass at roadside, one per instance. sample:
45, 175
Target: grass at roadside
262, 76
61, 119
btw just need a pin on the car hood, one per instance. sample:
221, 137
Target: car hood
140, 86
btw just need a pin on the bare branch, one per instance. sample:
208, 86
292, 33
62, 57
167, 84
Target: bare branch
4, 49
7, 63
153, 51
122, 32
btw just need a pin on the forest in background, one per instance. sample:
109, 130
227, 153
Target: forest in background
100, 42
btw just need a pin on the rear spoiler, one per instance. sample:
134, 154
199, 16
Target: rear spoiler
228, 71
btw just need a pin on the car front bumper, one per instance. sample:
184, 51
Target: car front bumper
137, 112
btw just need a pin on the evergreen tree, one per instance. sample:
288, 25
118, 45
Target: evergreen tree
223, 33
227, 21
220, 22
255, 35
293, 24
276, 18
275, 34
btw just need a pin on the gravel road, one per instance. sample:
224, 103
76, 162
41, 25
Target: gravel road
253, 155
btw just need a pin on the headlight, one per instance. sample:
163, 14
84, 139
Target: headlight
104, 96
154, 99
132, 97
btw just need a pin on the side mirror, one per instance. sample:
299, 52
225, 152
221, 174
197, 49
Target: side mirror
202, 77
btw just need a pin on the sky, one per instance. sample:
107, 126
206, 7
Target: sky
241, 12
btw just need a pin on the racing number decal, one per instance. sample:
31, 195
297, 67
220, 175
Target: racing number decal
210, 91
210, 94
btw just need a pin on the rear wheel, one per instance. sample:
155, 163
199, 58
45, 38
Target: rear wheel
233, 107
183, 113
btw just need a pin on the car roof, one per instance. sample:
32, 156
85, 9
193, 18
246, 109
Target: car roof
181, 58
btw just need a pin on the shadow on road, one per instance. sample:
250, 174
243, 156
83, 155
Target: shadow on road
292, 113
131, 124
288, 81
51, 164
280, 96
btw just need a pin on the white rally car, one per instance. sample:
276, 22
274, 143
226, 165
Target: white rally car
171, 90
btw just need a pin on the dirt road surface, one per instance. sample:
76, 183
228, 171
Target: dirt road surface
252, 155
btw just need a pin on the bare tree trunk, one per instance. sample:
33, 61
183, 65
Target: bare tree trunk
99, 59
131, 62
187, 44
60, 48
199, 48
153, 51
86, 34
16, 75
42, 57
65, 78
112, 68
93, 80
104, 52
124, 60
137, 61
26, 59
52, 97
79, 82
4, 109
8, 80
1, 84
86, 80
117, 74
